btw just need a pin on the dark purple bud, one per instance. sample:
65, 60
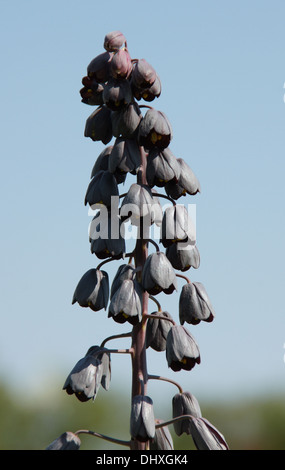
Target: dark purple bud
117, 94
101, 189
139, 204
125, 271
206, 436
148, 94
158, 275
182, 351
194, 304
177, 226
86, 377
126, 121
155, 130
184, 258
162, 439
106, 236
121, 64
99, 67
142, 425
126, 302
187, 182
92, 290
114, 41
157, 331
162, 167
99, 125
125, 156
184, 404
143, 74
67, 441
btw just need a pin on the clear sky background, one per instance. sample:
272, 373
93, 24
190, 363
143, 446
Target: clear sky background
222, 69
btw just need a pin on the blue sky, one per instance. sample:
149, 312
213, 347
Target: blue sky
223, 72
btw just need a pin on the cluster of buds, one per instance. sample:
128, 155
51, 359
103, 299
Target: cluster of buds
117, 84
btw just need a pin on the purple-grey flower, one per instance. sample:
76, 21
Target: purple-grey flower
102, 163
194, 304
125, 156
66, 441
92, 290
113, 41
99, 125
162, 439
126, 121
117, 94
121, 65
125, 271
187, 182
184, 404
142, 423
177, 226
155, 130
148, 94
184, 258
139, 204
158, 275
106, 236
99, 67
86, 377
102, 187
162, 167
182, 351
92, 92
157, 331
126, 302
143, 74
206, 436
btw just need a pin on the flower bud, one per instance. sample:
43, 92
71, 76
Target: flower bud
121, 64
142, 426
99, 67
194, 304
157, 331
184, 258
67, 441
126, 303
182, 351
184, 404
155, 130
158, 275
114, 41
99, 125
162, 167
92, 290
206, 436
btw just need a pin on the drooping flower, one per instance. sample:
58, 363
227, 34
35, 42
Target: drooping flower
139, 204
142, 423
102, 163
162, 439
143, 74
92, 290
155, 130
126, 121
184, 404
66, 441
194, 304
187, 182
86, 377
125, 156
117, 94
157, 331
126, 302
206, 436
125, 271
99, 67
148, 94
177, 226
158, 275
102, 187
184, 258
113, 41
182, 351
92, 92
106, 236
121, 64
99, 125
162, 167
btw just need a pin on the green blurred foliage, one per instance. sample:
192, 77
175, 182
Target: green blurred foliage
33, 424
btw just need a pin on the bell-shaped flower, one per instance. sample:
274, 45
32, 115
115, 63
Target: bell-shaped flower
121, 64
154, 130
187, 182
66, 441
162, 167
99, 125
102, 163
142, 423
99, 67
92, 92
184, 404
117, 94
139, 204
162, 439
182, 351
148, 94
206, 436
92, 290
102, 187
143, 74
157, 330
113, 41
184, 258
86, 377
158, 275
125, 271
125, 156
106, 236
126, 121
126, 303
177, 226
194, 304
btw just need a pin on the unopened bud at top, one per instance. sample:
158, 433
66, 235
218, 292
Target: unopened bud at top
114, 41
